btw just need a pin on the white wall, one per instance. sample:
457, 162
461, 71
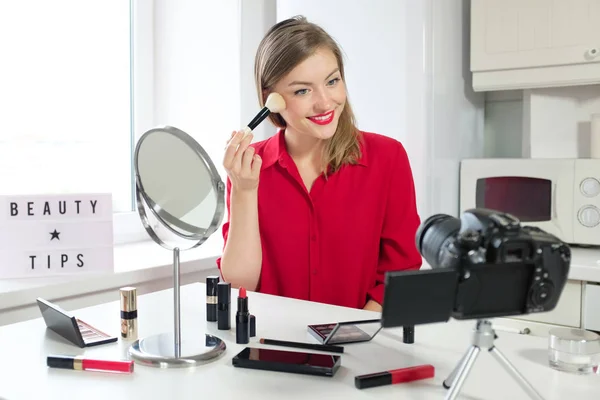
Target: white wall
196, 70
540, 123
503, 124
457, 115
256, 17
557, 121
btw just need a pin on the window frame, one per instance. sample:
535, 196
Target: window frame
127, 227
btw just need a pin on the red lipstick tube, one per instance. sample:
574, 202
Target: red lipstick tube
242, 319
394, 376
87, 364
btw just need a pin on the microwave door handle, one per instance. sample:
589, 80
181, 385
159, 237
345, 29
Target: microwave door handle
554, 208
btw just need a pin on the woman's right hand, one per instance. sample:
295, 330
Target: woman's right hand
240, 162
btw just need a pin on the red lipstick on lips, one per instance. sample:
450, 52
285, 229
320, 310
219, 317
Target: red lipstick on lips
323, 121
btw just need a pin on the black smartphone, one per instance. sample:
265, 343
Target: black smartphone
287, 361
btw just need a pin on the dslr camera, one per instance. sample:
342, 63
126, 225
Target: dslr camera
483, 265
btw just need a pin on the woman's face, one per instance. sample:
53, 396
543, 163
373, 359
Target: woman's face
314, 94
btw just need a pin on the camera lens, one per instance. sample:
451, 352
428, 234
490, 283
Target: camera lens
433, 233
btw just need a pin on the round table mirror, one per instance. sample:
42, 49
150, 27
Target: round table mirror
179, 183
178, 186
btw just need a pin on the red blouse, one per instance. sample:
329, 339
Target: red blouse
334, 244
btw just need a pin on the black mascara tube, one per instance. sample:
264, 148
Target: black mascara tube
224, 305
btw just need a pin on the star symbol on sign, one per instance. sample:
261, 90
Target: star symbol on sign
55, 235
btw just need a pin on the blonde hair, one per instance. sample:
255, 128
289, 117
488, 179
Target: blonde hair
286, 45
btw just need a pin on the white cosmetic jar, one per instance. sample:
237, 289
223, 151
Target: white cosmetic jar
574, 350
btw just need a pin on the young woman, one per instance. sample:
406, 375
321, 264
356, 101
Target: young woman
321, 210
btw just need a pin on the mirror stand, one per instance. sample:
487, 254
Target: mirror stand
194, 347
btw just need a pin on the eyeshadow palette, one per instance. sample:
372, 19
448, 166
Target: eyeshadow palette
345, 332
74, 330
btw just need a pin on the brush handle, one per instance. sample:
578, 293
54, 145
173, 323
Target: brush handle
258, 119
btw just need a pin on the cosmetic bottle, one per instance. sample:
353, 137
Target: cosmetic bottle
211, 298
129, 322
252, 325
242, 319
224, 305
574, 350
408, 334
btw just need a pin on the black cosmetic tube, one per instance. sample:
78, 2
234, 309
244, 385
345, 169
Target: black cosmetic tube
224, 306
211, 298
252, 325
242, 321
408, 334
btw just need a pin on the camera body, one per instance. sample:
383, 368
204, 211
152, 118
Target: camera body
484, 265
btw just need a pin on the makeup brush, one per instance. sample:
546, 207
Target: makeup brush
274, 104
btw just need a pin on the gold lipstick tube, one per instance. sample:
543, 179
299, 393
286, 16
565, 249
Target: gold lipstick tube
129, 322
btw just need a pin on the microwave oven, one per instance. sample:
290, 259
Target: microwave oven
559, 196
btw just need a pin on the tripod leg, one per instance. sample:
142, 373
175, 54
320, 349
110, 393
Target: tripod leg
450, 379
465, 368
515, 374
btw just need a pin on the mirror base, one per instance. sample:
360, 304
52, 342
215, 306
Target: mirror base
160, 350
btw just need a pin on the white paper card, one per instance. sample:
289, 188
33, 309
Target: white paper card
47, 235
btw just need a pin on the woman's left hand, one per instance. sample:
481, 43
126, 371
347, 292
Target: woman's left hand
372, 305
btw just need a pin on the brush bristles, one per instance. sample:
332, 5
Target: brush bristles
275, 103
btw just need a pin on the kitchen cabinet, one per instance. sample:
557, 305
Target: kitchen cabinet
521, 44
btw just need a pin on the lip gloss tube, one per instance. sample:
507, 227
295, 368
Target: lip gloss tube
129, 323
211, 298
224, 306
242, 319
80, 363
394, 376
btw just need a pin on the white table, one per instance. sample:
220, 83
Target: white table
24, 347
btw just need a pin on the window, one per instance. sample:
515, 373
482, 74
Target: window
66, 98
84, 80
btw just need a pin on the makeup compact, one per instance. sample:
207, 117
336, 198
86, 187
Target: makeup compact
74, 330
345, 332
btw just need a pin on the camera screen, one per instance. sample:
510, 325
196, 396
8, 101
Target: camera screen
418, 297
